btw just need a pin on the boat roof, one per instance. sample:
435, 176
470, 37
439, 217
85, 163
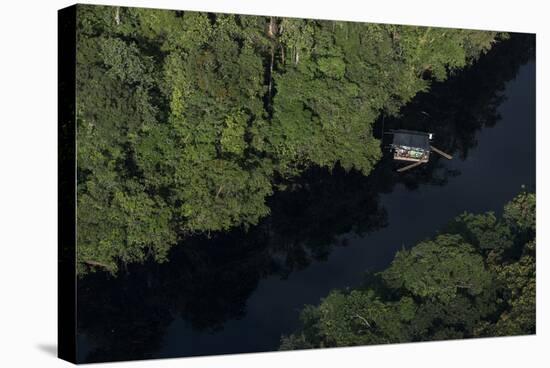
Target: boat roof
411, 138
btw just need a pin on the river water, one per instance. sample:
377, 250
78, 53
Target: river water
240, 292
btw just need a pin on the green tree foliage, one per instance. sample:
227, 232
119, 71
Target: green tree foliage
443, 288
209, 280
357, 317
518, 279
187, 120
483, 231
520, 214
438, 270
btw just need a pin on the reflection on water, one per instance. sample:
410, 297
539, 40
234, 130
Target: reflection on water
240, 291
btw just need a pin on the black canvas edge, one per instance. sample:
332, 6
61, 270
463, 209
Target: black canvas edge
66, 185
67, 182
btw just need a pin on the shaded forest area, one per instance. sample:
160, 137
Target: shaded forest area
187, 123
209, 280
475, 279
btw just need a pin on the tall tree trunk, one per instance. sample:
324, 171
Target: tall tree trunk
117, 15
271, 71
271, 31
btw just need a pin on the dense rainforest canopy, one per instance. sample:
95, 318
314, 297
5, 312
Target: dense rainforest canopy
188, 121
476, 278
218, 281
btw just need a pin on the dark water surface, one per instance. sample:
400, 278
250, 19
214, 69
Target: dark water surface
239, 292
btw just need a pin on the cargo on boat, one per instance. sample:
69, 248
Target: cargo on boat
413, 146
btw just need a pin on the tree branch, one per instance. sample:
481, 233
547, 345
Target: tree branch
362, 319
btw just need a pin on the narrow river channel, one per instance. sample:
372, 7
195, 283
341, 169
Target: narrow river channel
240, 292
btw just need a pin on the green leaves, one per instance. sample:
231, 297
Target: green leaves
519, 281
124, 61
521, 212
483, 231
232, 140
443, 288
188, 117
116, 225
332, 67
360, 317
438, 270
223, 196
